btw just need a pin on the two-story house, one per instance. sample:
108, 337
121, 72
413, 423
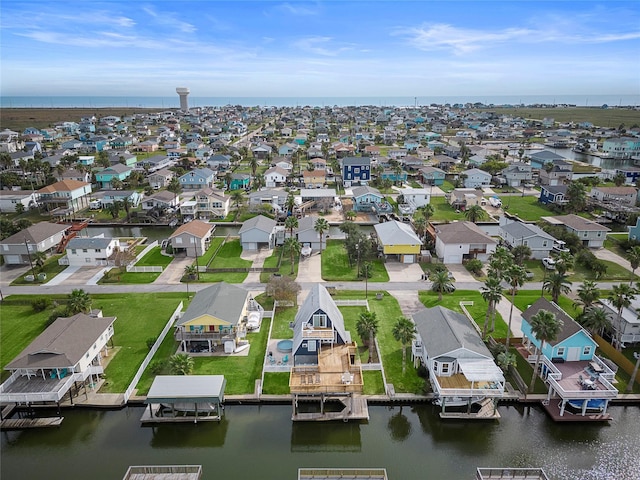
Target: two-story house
460, 241
590, 233
118, 172
432, 176
197, 179
66, 196
41, 237
91, 251
559, 172
476, 178
160, 179
356, 170
516, 233
192, 238
518, 174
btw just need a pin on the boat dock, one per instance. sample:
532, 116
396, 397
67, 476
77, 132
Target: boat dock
553, 410
355, 408
24, 423
487, 412
151, 416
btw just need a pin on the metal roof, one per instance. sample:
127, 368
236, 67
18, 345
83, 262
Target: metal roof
222, 300
187, 388
396, 233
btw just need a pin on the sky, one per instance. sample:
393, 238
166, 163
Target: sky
325, 48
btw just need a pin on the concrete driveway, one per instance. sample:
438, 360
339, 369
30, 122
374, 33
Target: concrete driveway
461, 274
604, 254
310, 269
174, 271
403, 272
81, 276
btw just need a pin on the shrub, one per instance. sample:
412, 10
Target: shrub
156, 367
58, 312
474, 266
169, 249
151, 342
41, 304
440, 268
422, 371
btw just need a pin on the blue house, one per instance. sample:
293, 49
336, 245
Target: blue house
240, 181
369, 199
318, 325
356, 170
631, 174
198, 179
553, 194
634, 231
541, 158
569, 365
432, 176
117, 171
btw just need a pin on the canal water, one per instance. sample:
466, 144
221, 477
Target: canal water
261, 442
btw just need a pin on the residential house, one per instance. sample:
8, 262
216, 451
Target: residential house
219, 162
73, 174
275, 176
209, 203
275, 198
91, 251
432, 176
460, 365
240, 181
569, 365
122, 158
416, 197
518, 174
150, 145
444, 162
67, 353
65, 197
161, 200
553, 195
318, 163
192, 238
287, 149
624, 328
356, 170
160, 179
463, 198
476, 178
307, 235
624, 196
394, 176
115, 172
108, 197
590, 233
10, 199
261, 151
398, 239
365, 199
285, 165
41, 237
197, 179
631, 174
516, 233
634, 231
216, 317
155, 163
460, 241
313, 178
559, 173
623, 147
258, 232
539, 159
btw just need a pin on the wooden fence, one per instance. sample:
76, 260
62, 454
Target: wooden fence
622, 361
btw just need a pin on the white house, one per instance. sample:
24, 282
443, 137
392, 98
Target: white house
474, 178
91, 251
275, 176
10, 199
417, 197
460, 241
590, 233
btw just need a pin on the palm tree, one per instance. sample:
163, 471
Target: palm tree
253, 164
545, 327
78, 301
633, 255
588, 294
475, 213
126, 204
564, 262
321, 226
404, 331
521, 253
291, 223
420, 224
39, 258
427, 211
491, 292
174, 187
294, 247
500, 260
351, 215
557, 283
441, 283
367, 327
181, 364
620, 297
595, 320
515, 276
290, 202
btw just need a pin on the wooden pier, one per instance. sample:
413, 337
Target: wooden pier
487, 412
355, 408
552, 408
24, 423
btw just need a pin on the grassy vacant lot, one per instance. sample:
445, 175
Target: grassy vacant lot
527, 208
478, 310
228, 257
613, 243
335, 265
21, 118
610, 117
139, 317
153, 258
443, 211
50, 267
285, 265
388, 311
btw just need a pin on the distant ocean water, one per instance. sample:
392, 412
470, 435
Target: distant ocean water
194, 101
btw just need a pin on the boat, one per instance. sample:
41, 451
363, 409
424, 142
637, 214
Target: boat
457, 401
594, 405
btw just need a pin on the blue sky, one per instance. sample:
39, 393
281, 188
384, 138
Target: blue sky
329, 48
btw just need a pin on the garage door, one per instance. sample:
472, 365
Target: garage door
453, 259
12, 259
408, 259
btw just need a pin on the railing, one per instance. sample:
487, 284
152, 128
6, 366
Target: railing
162, 470
370, 473
511, 473
180, 335
609, 392
352, 303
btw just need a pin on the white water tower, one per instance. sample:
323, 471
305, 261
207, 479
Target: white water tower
183, 92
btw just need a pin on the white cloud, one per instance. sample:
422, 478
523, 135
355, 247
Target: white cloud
298, 9
323, 46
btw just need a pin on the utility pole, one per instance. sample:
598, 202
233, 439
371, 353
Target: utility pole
29, 255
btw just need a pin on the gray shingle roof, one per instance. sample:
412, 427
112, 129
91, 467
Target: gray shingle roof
35, 233
356, 161
364, 190
525, 230
396, 233
92, 243
462, 232
569, 325
221, 300
260, 222
63, 344
443, 331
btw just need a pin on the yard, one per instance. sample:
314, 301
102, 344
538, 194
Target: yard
443, 211
154, 258
526, 208
335, 265
285, 265
51, 268
213, 246
227, 257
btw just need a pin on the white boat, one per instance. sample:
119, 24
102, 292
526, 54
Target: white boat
457, 401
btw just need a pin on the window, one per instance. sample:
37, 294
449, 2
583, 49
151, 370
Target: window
444, 368
319, 320
73, 251
98, 250
84, 250
586, 350
560, 351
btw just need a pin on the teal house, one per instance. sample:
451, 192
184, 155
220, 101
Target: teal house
432, 175
634, 231
394, 176
117, 171
240, 181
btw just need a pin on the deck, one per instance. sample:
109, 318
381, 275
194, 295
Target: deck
552, 407
24, 423
486, 412
342, 473
164, 472
334, 373
355, 408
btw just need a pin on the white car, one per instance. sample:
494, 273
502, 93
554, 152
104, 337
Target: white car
549, 263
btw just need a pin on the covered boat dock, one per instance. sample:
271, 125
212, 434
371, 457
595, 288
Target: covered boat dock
185, 398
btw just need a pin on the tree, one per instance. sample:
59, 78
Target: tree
404, 331
632, 380
491, 292
520, 254
515, 277
475, 213
420, 225
181, 364
78, 301
321, 226
427, 211
291, 223
253, 164
620, 297
238, 198
633, 255
588, 294
126, 204
351, 215
545, 327
367, 328
557, 283
564, 262
441, 283
116, 184
506, 360
294, 247
595, 320
501, 259
577, 197
283, 289
619, 179
290, 202
174, 187
115, 208
39, 258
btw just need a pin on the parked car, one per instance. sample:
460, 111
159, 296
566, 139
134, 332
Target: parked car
560, 246
549, 263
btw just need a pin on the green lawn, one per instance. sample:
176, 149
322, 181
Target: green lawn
612, 243
525, 369
388, 311
276, 383
373, 384
447, 186
478, 310
228, 257
443, 211
285, 265
614, 273
283, 316
527, 208
155, 258
51, 268
213, 246
335, 265
120, 275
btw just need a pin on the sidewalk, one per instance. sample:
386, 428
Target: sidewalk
503, 308
310, 269
257, 258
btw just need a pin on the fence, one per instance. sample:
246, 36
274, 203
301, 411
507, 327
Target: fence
352, 303
622, 361
145, 363
147, 269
